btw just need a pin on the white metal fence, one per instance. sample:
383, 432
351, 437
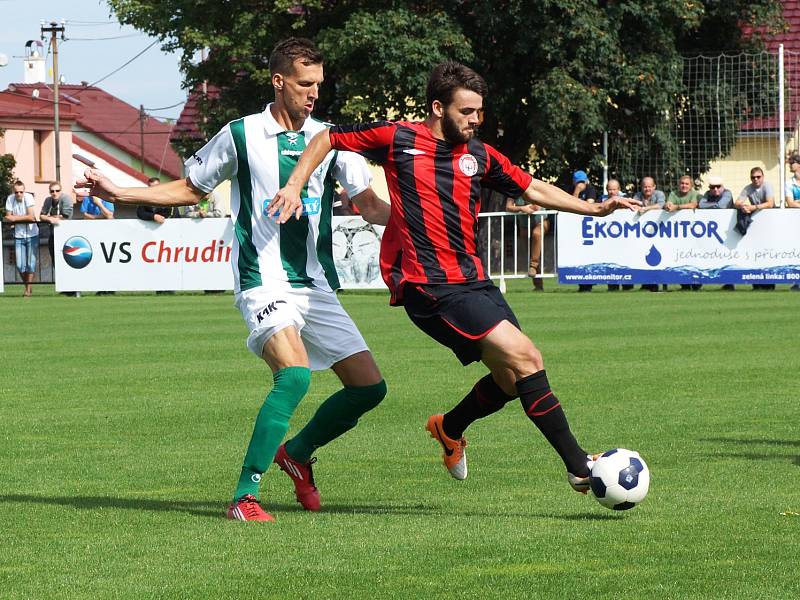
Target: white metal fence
504, 245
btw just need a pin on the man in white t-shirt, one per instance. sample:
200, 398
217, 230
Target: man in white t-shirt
284, 275
20, 212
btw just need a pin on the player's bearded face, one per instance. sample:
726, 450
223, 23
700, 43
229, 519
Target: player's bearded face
461, 118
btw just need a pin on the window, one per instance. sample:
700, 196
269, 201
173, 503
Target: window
38, 138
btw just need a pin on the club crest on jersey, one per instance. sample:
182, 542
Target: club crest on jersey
468, 165
291, 137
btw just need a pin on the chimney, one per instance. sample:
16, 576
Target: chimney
34, 62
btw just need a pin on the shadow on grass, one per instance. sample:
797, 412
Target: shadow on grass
216, 510
753, 441
795, 460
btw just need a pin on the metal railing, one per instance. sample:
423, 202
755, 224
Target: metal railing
500, 250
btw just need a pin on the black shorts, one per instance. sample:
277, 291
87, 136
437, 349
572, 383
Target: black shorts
458, 315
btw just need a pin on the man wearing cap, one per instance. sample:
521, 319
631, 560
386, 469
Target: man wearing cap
582, 189
716, 196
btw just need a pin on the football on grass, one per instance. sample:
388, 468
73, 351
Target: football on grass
619, 479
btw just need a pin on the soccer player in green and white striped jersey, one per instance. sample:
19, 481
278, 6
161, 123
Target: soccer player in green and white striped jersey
284, 275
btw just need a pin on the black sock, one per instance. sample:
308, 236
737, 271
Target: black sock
484, 399
544, 409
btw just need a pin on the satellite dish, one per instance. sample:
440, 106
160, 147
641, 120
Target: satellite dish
3, 60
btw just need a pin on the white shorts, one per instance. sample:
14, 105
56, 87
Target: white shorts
327, 331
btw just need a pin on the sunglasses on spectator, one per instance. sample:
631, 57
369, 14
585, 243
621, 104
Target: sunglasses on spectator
715, 187
55, 190
755, 177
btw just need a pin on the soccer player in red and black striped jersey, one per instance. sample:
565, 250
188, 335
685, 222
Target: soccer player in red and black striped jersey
435, 170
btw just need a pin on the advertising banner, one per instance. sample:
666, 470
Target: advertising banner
356, 253
687, 246
186, 254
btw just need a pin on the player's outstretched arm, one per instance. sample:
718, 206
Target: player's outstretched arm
372, 208
549, 196
175, 193
287, 201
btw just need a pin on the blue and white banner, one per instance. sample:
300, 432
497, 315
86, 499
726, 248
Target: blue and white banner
687, 246
186, 254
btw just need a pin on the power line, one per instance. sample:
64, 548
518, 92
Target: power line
118, 69
101, 39
80, 23
165, 107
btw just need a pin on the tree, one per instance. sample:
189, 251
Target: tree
560, 72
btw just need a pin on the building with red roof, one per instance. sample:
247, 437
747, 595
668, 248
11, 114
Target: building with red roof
95, 126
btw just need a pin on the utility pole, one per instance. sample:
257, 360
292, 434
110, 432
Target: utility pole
142, 116
53, 30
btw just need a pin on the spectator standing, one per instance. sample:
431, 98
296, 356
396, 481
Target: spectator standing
583, 190
651, 198
159, 214
755, 196
206, 208
57, 207
614, 190
95, 208
540, 229
684, 197
792, 192
717, 197
20, 212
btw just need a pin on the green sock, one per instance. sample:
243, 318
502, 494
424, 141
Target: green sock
335, 416
272, 422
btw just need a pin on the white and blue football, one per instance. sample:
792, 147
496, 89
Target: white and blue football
619, 479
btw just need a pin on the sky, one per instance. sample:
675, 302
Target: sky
153, 79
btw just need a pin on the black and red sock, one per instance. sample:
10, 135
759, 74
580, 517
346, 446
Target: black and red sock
544, 409
484, 399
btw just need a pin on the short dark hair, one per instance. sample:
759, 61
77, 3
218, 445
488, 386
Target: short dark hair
154, 180
449, 76
755, 170
794, 157
17, 183
291, 49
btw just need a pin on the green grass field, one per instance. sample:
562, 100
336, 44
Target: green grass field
124, 420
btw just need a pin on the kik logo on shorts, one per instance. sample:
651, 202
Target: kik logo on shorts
268, 310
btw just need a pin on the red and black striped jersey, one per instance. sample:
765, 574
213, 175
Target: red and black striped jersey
434, 189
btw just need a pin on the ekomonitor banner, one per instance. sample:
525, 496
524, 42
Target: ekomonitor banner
687, 246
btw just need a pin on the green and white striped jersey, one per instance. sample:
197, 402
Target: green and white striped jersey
258, 155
